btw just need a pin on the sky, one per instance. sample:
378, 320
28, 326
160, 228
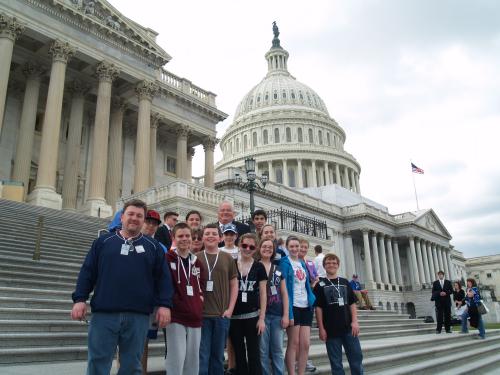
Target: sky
406, 79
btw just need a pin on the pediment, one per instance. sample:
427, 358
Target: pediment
112, 22
429, 220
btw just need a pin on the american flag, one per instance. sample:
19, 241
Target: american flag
416, 169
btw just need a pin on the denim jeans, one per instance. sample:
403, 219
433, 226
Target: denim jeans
271, 346
352, 350
126, 330
213, 338
480, 325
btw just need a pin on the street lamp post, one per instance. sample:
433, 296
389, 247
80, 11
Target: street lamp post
252, 183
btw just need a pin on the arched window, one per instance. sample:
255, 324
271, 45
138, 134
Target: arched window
320, 137
310, 135
254, 139
279, 175
299, 135
291, 177
276, 135
275, 96
304, 177
237, 145
328, 139
265, 136
288, 135
231, 147
245, 142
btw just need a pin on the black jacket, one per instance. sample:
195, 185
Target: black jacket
162, 235
240, 227
436, 290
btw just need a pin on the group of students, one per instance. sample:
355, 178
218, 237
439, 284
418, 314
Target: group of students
247, 290
467, 303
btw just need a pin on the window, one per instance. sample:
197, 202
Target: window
170, 164
304, 177
293, 95
291, 177
299, 134
231, 147
276, 135
320, 137
275, 96
310, 134
488, 275
245, 142
328, 139
266, 98
254, 139
237, 145
283, 95
265, 136
279, 175
288, 135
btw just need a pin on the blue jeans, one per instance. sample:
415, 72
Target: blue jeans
126, 330
271, 346
480, 325
352, 351
213, 338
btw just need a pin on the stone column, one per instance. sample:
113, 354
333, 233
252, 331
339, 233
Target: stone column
209, 147
285, 172
358, 189
392, 271
300, 181
383, 259
115, 152
420, 263
313, 174
413, 261
435, 258
451, 270
353, 182
45, 189
10, 30
96, 203
338, 180
346, 178
190, 155
78, 91
439, 258
397, 260
427, 268
154, 121
368, 259
376, 262
327, 174
270, 169
182, 136
432, 268
351, 268
445, 262
22, 161
146, 91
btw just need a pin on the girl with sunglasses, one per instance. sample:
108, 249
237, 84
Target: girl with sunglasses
247, 321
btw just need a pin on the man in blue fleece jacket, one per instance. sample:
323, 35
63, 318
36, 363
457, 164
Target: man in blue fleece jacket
129, 276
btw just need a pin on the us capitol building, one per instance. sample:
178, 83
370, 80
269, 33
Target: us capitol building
91, 117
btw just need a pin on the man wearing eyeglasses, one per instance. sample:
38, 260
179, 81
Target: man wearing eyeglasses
225, 214
164, 233
129, 276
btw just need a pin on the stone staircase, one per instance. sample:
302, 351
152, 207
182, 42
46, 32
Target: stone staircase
37, 334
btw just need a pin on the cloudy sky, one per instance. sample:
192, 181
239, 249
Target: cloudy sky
415, 80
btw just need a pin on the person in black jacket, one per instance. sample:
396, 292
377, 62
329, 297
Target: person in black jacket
225, 214
458, 294
164, 233
441, 291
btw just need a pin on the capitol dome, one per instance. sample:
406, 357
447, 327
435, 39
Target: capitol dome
286, 127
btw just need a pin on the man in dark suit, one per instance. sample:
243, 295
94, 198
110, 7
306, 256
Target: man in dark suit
441, 291
225, 214
164, 233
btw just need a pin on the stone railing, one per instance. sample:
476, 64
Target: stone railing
185, 86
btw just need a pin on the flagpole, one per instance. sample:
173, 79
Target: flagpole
414, 186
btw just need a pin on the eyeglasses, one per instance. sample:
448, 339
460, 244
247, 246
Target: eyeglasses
331, 263
245, 246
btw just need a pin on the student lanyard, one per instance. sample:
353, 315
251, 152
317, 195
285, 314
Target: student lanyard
338, 284
245, 281
210, 270
188, 275
272, 270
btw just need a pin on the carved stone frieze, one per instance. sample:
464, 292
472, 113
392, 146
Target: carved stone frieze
146, 90
32, 70
10, 27
182, 131
61, 51
191, 152
106, 71
209, 143
78, 88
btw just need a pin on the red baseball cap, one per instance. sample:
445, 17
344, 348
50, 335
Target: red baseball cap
152, 214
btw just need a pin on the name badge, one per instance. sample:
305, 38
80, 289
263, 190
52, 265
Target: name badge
189, 290
139, 249
277, 256
341, 301
278, 273
173, 266
124, 249
274, 291
244, 297
321, 283
210, 286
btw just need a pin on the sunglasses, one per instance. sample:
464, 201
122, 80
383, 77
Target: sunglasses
245, 246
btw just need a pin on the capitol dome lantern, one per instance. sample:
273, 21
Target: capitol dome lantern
286, 126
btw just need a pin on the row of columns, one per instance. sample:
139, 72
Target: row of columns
106, 161
338, 174
383, 264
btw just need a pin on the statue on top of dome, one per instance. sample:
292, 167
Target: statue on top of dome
276, 32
